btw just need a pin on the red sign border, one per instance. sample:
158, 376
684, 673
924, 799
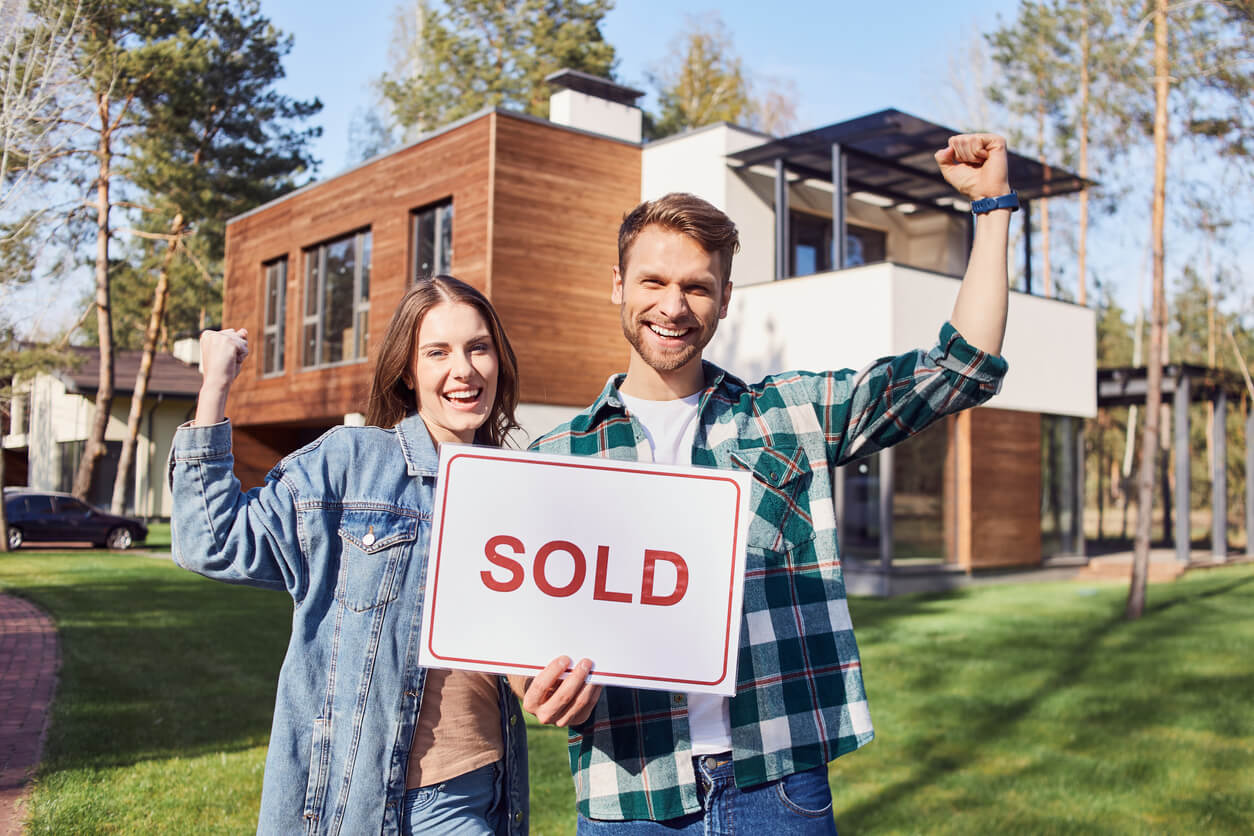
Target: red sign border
429, 617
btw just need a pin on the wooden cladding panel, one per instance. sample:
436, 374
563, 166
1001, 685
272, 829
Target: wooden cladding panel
257, 449
999, 508
559, 197
378, 196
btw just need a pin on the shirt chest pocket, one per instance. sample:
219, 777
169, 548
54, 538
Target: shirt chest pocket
781, 507
373, 544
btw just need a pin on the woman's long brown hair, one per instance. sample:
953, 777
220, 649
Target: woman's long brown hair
391, 398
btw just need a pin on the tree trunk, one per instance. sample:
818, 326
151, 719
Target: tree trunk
159, 296
95, 446
1044, 204
1154, 373
1084, 155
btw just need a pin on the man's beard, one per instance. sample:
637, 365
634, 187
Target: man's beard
658, 361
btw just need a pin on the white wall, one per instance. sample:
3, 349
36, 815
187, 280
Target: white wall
849, 318
537, 419
696, 162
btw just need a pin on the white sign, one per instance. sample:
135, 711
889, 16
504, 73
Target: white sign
636, 566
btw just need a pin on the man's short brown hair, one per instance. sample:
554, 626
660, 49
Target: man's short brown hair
688, 215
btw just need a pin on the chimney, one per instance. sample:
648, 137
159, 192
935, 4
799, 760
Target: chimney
187, 350
594, 104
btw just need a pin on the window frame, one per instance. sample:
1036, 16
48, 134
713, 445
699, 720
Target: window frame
442, 259
801, 221
278, 327
315, 263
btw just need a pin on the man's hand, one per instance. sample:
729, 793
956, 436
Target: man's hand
558, 701
975, 164
221, 355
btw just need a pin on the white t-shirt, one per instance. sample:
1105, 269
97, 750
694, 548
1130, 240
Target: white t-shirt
671, 427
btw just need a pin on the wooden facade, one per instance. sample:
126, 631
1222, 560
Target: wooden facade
992, 501
536, 209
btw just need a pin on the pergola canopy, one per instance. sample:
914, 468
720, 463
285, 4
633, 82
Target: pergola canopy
1128, 385
890, 153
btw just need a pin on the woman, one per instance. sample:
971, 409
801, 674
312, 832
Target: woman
364, 740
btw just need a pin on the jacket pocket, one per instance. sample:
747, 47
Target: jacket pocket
373, 542
781, 482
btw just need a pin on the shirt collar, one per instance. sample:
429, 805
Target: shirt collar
421, 458
715, 378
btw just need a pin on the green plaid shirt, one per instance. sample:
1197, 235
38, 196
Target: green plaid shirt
799, 700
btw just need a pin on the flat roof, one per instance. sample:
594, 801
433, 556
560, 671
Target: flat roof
594, 85
1129, 385
891, 153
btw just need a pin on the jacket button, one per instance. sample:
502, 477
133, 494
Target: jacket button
513, 719
679, 699
518, 817
368, 540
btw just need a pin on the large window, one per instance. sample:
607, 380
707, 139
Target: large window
431, 239
811, 250
276, 312
337, 301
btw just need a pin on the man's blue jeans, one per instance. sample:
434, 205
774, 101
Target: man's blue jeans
797, 805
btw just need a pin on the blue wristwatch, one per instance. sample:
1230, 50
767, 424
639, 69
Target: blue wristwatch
988, 204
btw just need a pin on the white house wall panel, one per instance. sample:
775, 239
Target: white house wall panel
848, 319
696, 162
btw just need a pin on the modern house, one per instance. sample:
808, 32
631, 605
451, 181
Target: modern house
51, 419
852, 248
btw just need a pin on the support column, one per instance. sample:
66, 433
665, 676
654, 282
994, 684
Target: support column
781, 221
1249, 482
1066, 480
1079, 488
840, 243
1219, 481
886, 508
1027, 247
1180, 406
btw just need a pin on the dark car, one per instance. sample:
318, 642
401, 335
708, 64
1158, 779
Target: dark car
35, 516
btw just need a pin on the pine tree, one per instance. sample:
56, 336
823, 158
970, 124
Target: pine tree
703, 81
216, 144
1034, 54
472, 54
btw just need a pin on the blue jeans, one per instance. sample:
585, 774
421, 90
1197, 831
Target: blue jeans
796, 805
468, 805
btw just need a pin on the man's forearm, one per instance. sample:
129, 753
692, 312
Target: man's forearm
980, 310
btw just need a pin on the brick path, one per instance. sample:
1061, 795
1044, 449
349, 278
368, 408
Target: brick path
29, 659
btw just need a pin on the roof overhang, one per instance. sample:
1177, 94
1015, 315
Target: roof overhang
1129, 385
890, 153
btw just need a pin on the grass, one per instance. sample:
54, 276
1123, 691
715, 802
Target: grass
1030, 708
158, 537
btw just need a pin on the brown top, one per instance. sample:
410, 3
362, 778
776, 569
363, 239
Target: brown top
459, 727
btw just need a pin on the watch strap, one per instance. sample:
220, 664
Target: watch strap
988, 204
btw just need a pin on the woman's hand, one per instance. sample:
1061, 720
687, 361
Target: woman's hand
222, 353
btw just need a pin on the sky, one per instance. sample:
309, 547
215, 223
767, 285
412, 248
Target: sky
846, 58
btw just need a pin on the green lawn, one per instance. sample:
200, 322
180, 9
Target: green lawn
1030, 708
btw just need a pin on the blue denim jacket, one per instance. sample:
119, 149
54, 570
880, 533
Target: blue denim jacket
342, 525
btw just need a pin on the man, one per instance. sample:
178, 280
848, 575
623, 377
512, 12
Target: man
757, 761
